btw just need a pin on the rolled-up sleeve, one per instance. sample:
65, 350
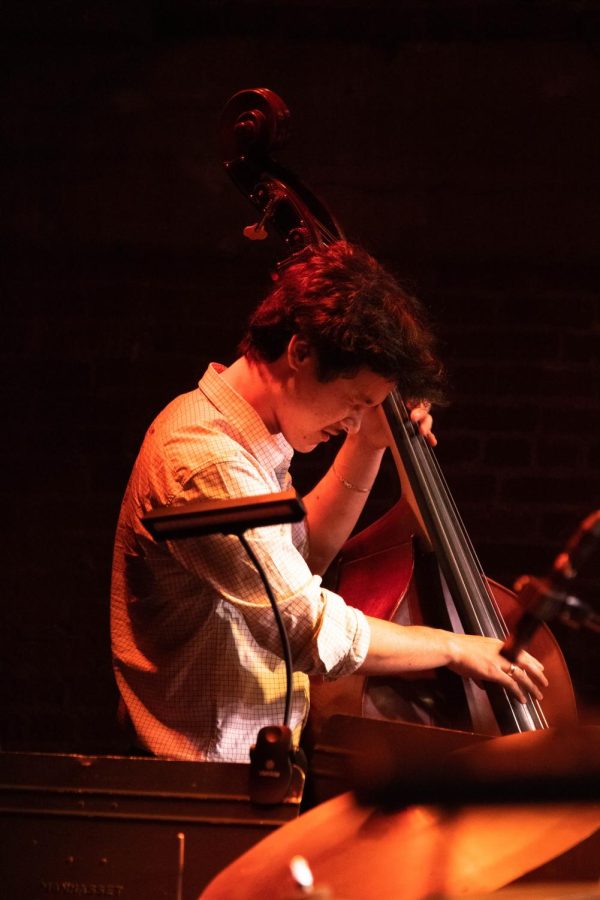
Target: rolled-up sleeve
327, 637
342, 641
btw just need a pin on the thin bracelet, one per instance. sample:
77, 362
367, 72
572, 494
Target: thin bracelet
348, 484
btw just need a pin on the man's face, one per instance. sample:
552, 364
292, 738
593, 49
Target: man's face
312, 411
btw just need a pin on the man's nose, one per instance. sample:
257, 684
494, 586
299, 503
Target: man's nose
351, 424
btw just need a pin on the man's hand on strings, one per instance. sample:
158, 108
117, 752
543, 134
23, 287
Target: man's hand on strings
480, 658
421, 416
374, 428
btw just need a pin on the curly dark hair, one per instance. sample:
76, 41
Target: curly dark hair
355, 315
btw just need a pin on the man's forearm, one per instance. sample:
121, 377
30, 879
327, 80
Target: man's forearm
336, 502
395, 649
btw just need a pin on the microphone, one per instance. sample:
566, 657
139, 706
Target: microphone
579, 547
548, 598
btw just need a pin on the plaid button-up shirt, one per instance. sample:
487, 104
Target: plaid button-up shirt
196, 651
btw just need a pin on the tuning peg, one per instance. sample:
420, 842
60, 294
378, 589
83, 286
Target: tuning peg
256, 232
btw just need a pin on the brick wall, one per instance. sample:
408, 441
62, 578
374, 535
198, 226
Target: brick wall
460, 149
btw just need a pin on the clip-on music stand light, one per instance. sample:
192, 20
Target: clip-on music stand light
272, 768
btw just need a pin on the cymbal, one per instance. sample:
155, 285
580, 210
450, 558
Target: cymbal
360, 852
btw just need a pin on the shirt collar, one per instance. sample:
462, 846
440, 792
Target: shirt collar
272, 449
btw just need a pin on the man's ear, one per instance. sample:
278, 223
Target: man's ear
299, 351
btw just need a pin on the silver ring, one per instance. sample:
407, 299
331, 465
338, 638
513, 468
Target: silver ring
512, 670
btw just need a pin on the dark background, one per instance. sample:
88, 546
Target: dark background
459, 141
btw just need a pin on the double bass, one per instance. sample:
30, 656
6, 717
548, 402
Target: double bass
417, 552
417, 563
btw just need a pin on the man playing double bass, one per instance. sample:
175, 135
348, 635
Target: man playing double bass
197, 656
